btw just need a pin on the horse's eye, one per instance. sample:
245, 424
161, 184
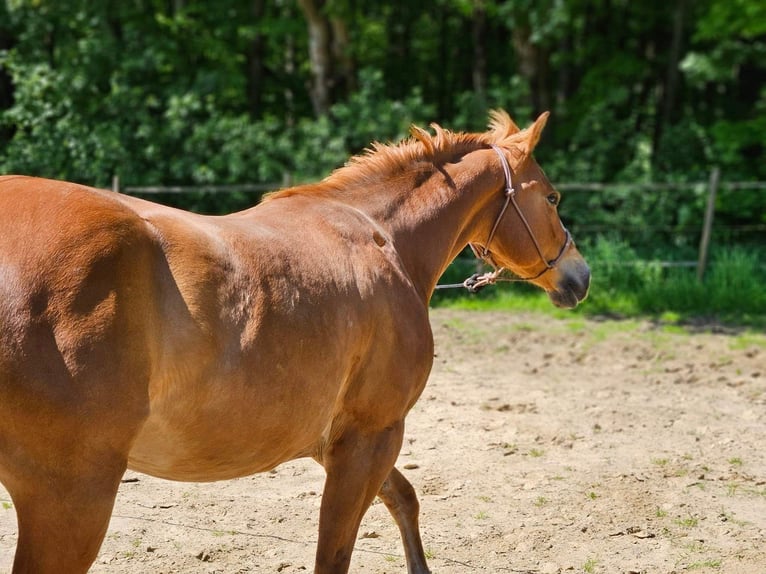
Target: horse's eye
553, 198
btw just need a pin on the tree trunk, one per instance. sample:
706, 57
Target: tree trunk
341, 49
533, 61
399, 35
479, 70
320, 55
668, 93
255, 68
6, 85
564, 80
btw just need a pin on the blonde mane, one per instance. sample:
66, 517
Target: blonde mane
383, 160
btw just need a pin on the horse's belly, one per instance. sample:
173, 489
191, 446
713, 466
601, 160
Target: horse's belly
203, 461
206, 446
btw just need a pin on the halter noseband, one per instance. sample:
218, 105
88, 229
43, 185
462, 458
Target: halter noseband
477, 281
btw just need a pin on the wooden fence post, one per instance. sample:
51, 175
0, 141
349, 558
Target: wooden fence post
116, 183
707, 226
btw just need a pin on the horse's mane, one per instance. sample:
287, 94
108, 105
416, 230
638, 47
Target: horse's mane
381, 160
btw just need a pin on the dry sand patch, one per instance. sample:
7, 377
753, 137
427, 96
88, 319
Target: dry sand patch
540, 445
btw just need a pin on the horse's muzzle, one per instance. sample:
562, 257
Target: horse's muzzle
572, 284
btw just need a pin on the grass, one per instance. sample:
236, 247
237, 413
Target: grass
746, 340
688, 522
703, 564
622, 285
590, 565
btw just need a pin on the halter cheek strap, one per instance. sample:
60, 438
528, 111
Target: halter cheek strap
476, 281
510, 198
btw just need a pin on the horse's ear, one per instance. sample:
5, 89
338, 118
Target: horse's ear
501, 124
534, 132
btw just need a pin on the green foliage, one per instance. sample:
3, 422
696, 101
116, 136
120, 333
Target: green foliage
734, 276
725, 18
652, 221
624, 283
176, 93
50, 137
375, 118
320, 145
159, 92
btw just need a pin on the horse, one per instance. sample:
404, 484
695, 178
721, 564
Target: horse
201, 348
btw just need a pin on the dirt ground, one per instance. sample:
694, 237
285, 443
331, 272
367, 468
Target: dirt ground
540, 445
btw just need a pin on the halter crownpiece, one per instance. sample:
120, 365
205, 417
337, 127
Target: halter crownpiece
477, 281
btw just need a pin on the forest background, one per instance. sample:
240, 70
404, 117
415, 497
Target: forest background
192, 92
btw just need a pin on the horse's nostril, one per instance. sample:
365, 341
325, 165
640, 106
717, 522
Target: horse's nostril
583, 284
573, 285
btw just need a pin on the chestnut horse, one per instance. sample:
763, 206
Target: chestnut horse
200, 348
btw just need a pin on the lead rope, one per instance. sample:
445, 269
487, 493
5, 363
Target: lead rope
475, 282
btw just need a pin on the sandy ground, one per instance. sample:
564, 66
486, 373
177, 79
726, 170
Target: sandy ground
540, 445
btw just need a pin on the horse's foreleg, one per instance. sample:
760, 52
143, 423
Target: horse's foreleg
63, 516
356, 463
402, 502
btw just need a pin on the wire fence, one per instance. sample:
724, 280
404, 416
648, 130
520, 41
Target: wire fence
699, 227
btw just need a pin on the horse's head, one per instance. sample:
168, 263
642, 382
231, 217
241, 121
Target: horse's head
520, 228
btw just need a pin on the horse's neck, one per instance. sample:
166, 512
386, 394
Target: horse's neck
429, 221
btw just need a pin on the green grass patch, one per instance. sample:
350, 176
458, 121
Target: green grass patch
704, 564
688, 522
623, 285
746, 340
590, 565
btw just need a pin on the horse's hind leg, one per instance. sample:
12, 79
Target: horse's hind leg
400, 499
63, 516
